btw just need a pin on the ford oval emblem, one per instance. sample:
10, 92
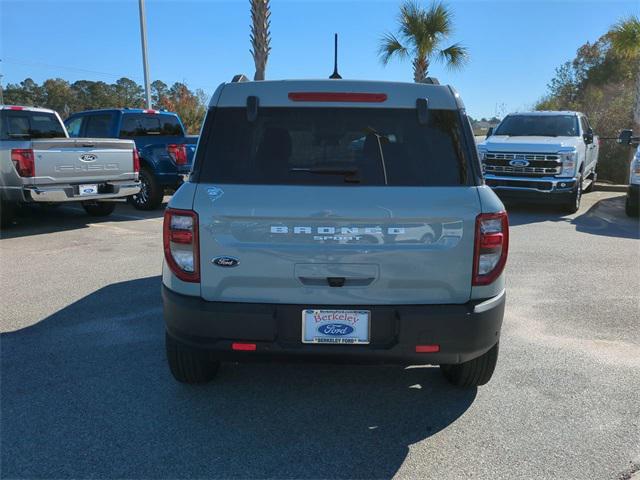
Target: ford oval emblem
519, 163
339, 329
88, 157
226, 261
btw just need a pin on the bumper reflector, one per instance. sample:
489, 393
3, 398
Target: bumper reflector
427, 348
243, 347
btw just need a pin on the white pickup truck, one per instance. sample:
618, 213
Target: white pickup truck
40, 163
541, 156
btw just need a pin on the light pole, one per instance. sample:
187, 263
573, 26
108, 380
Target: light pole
145, 62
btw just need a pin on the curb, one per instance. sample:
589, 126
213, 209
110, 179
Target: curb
610, 187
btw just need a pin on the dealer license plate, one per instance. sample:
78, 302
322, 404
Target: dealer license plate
336, 326
91, 189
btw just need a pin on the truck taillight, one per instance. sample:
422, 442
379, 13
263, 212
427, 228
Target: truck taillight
178, 153
23, 160
181, 244
136, 160
491, 247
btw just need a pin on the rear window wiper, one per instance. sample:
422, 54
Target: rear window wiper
350, 173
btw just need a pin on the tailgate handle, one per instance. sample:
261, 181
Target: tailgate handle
88, 144
336, 281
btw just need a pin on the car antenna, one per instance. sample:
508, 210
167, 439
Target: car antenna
335, 75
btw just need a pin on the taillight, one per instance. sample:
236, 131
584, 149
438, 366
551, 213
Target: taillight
181, 244
150, 111
178, 153
22, 158
136, 160
491, 247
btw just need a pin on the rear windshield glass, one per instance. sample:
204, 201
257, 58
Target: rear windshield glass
26, 125
148, 124
334, 146
539, 125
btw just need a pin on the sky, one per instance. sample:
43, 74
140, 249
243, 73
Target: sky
515, 46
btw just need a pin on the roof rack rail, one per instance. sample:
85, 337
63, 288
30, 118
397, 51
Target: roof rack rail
239, 78
431, 81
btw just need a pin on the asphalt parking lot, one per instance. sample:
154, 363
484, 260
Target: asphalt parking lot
86, 393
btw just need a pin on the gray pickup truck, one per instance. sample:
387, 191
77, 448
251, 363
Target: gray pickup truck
40, 163
336, 219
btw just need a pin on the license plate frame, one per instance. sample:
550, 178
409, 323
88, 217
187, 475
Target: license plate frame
337, 324
88, 189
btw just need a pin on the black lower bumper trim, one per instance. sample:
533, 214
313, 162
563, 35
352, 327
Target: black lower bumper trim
463, 332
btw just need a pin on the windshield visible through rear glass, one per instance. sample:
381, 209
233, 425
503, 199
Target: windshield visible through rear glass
27, 125
539, 125
148, 124
334, 146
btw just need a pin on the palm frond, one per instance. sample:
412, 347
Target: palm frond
411, 20
391, 47
438, 20
625, 35
454, 56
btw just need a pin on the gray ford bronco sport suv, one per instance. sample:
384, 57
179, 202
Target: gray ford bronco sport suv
338, 220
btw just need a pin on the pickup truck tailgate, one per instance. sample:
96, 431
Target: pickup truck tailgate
78, 160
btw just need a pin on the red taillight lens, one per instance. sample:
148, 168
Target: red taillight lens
16, 108
181, 244
491, 247
22, 159
136, 160
150, 111
178, 153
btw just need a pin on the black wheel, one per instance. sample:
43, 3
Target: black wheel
631, 210
7, 214
99, 209
473, 373
188, 365
573, 205
151, 193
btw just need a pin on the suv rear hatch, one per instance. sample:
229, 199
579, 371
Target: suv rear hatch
336, 206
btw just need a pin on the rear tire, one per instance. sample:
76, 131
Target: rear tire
7, 214
151, 193
99, 209
631, 210
473, 373
188, 365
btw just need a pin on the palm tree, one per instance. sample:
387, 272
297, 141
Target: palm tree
260, 36
625, 39
420, 35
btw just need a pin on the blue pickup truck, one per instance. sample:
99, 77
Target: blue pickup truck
165, 151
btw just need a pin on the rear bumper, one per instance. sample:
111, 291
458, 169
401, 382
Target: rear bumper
463, 331
69, 193
539, 189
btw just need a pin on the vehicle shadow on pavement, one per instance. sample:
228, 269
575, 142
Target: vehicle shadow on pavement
42, 219
606, 217
86, 392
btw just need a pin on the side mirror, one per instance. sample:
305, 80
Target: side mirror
588, 136
625, 137
489, 132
